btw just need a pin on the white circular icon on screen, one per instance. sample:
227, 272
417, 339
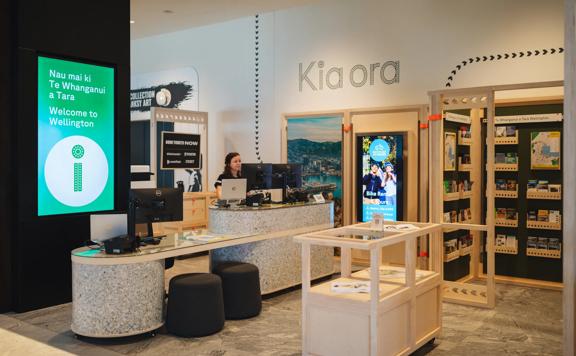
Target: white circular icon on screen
76, 171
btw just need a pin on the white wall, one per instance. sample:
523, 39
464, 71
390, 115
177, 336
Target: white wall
429, 38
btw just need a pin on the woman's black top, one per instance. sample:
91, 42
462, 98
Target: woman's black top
224, 176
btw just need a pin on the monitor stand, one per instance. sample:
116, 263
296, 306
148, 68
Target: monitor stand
233, 203
146, 231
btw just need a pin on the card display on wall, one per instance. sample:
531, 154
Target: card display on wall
380, 176
545, 150
316, 143
75, 137
449, 151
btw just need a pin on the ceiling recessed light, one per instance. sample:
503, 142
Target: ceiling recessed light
132, 21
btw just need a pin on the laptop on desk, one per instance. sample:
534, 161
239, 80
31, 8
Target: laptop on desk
233, 189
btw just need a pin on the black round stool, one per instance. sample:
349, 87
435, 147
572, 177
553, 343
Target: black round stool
195, 305
241, 285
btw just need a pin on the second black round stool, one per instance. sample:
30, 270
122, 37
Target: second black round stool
241, 286
195, 305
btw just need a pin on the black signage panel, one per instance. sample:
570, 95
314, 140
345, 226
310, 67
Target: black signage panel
180, 150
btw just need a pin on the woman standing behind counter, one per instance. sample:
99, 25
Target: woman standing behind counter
232, 168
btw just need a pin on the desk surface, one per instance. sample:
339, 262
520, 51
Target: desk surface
182, 244
266, 206
199, 240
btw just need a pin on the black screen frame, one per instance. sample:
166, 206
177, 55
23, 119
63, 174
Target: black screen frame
37, 55
358, 151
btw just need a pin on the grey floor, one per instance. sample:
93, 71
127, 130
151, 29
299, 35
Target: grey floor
526, 321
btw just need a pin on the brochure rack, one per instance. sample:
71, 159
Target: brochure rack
512, 134
401, 312
462, 110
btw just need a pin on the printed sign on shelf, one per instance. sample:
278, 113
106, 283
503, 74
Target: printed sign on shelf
526, 119
463, 119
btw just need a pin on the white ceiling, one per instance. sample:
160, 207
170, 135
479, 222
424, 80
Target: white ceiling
154, 17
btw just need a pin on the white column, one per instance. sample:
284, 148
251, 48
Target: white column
569, 219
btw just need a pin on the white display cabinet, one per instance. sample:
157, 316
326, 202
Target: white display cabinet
399, 313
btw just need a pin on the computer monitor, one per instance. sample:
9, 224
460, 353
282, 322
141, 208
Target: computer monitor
286, 175
233, 189
258, 175
106, 226
155, 205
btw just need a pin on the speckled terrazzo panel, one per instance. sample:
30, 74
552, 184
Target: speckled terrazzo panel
134, 307
225, 221
278, 259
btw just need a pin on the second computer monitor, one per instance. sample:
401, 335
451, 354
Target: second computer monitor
258, 175
155, 205
286, 175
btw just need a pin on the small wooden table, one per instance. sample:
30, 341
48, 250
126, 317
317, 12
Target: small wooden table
401, 312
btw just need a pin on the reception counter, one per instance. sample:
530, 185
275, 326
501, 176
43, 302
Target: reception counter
123, 295
278, 258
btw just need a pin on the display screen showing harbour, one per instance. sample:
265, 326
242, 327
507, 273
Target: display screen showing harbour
316, 143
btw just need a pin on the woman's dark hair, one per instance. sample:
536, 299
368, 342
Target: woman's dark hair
228, 160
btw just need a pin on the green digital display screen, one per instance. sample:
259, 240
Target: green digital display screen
75, 137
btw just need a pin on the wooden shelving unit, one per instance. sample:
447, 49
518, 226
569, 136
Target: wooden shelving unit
528, 116
355, 323
462, 277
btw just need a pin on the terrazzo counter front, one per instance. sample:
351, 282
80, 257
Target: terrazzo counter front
103, 308
278, 258
123, 295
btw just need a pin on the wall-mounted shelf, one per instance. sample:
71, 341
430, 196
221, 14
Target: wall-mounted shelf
463, 167
534, 194
511, 194
466, 250
506, 167
507, 249
544, 225
452, 256
512, 140
467, 194
536, 252
451, 196
506, 223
